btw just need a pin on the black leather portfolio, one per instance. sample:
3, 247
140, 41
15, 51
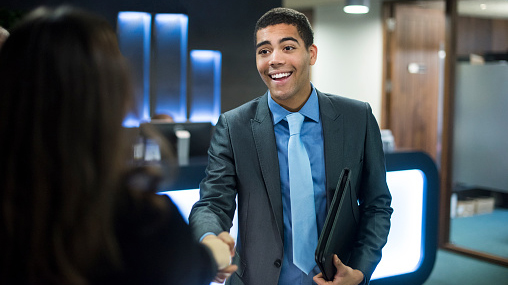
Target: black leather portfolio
340, 227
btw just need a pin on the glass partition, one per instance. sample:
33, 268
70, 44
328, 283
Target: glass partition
479, 206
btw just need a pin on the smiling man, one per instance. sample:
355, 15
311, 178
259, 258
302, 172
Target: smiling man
283, 60
252, 156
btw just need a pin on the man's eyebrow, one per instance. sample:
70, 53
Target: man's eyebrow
289, 39
281, 41
262, 43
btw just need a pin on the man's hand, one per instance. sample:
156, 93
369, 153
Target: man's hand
224, 273
345, 275
223, 249
228, 239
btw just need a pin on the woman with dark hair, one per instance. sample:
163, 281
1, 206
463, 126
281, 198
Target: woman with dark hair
69, 212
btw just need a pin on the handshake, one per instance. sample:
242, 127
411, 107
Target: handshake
223, 249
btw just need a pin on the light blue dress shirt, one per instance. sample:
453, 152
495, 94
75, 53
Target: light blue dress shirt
312, 137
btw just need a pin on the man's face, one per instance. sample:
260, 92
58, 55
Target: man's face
284, 63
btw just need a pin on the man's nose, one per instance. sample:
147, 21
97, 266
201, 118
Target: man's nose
277, 58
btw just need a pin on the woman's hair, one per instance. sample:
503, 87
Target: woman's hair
64, 91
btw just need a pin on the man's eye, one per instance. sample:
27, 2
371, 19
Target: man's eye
263, 51
289, 48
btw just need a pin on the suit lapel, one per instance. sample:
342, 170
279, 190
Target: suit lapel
262, 131
333, 136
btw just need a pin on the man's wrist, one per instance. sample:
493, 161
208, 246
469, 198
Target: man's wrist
205, 235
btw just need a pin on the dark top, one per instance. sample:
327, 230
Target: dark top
156, 245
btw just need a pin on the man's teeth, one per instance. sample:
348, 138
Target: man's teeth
280, 75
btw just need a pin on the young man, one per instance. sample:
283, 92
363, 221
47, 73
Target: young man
249, 156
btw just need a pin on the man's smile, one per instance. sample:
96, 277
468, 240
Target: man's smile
280, 75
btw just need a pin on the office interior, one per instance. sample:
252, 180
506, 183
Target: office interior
434, 73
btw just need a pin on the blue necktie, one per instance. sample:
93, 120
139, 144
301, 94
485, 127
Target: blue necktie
303, 212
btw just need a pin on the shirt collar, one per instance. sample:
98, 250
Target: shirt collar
309, 110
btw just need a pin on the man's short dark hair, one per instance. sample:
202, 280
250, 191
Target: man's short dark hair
287, 16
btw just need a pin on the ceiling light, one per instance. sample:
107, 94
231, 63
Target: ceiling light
357, 6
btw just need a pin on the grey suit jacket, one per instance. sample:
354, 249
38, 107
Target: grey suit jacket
243, 161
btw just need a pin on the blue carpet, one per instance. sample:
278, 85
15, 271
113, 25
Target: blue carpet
454, 269
486, 232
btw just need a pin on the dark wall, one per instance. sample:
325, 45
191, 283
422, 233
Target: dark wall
225, 25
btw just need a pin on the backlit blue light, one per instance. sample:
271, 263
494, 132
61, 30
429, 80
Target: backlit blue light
132, 16
171, 19
170, 65
204, 55
134, 36
206, 68
130, 122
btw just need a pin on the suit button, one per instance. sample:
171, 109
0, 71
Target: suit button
277, 263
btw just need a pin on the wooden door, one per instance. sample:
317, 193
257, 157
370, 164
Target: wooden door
414, 36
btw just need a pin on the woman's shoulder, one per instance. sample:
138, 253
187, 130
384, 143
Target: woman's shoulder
156, 243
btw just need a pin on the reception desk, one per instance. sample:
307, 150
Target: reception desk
409, 255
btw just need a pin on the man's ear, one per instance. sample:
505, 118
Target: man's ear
313, 54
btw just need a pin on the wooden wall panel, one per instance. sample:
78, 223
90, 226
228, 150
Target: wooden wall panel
480, 35
413, 100
500, 40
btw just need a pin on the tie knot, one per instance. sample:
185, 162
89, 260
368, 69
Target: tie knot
295, 121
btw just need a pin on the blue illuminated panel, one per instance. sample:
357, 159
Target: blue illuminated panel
409, 254
206, 85
402, 253
134, 35
170, 66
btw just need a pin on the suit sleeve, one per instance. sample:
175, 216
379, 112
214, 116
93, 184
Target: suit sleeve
375, 199
215, 209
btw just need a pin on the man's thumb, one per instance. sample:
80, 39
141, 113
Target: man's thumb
337, 261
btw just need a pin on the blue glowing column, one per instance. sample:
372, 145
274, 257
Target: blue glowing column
206, 87
134, 35
169, 85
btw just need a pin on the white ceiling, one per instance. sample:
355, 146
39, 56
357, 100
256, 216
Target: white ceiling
492, 8
302, 4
